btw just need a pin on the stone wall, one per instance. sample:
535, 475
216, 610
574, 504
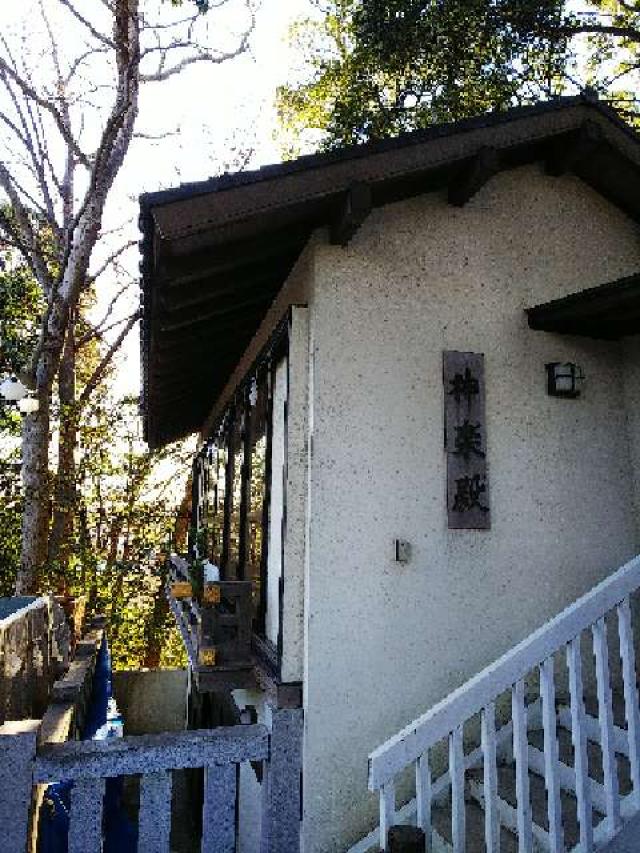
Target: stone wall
34, 651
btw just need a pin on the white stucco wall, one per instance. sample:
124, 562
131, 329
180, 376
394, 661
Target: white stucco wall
384, 642
631, 369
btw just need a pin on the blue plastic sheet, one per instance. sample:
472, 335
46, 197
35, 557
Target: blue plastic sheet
103, 721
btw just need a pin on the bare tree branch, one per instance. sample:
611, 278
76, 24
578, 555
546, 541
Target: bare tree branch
201, 53
162, 74
96, 333
47, 105
35, 256
625, 32
89, 26
112, 257
98, 329
104, 363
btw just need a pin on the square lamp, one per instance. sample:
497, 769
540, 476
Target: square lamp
564, 379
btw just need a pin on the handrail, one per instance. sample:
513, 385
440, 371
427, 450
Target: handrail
415, 739
151, 753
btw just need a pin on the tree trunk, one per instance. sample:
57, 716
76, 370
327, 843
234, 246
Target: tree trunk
35, 478
65, 489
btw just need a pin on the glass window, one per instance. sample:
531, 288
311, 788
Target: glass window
241, 491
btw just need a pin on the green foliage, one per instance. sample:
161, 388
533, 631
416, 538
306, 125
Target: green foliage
129, 498
378, 68
10, 524
20, 309
140, 623
126, 500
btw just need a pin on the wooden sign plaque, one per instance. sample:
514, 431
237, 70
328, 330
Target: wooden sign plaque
465, 441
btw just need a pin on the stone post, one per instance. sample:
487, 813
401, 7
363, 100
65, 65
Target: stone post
17, 755
282, 783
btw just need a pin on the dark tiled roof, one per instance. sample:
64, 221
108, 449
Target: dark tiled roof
216, 252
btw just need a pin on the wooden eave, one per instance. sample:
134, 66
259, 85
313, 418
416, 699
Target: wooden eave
216, 253
608, 312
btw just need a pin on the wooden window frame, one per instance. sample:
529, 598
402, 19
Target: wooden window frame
277, 348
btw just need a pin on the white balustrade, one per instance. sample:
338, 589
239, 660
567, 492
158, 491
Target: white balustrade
488, 743
579, 740
561, 638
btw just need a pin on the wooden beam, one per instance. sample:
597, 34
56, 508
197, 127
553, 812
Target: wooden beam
184, 340
568, 152
355, 208
608, 312
185, 276
221, 258
474, 176
190, 317
206, 291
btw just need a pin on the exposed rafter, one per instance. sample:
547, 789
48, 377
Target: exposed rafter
246, 281
567, 154
354, 209
216, 253
191, 318
474, 175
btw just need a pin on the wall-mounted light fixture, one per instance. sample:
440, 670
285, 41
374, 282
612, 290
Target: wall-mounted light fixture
564, 379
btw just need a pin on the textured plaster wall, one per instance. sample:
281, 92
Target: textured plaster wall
631, 368
295, 490
384, 642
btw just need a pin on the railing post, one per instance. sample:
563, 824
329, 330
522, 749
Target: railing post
282, 784
17, 754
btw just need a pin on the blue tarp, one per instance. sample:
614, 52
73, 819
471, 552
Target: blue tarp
103, 721
9, 606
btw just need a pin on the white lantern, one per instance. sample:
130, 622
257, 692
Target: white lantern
28, 405
12, 389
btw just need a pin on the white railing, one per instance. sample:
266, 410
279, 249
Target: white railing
446, 721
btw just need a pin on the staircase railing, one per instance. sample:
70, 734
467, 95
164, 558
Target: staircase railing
445, 721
